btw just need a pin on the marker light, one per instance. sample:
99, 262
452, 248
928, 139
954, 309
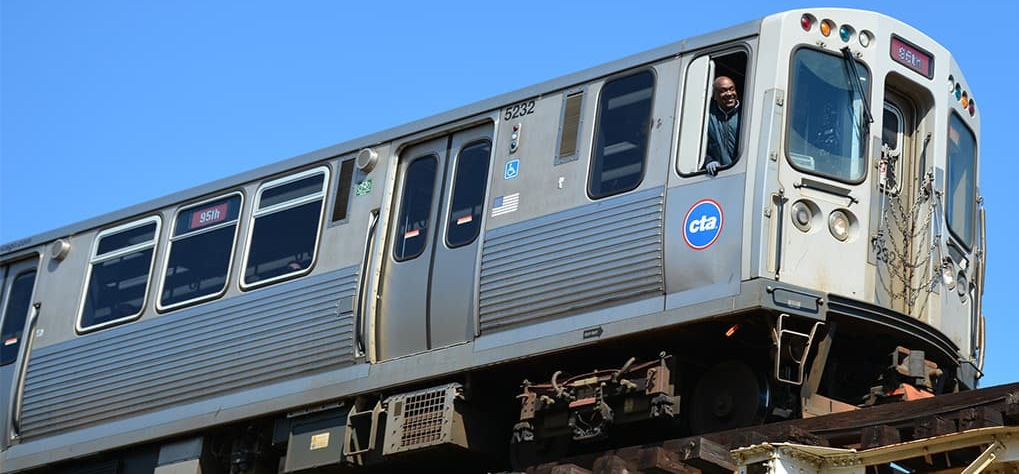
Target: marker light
972, 107
951, 83
807, 21
865, 38
958, 91
965, 100
838, 225
826, 27
846, 33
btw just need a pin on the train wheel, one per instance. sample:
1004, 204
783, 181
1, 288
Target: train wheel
729, 395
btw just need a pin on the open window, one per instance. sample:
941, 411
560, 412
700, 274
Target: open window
711, 119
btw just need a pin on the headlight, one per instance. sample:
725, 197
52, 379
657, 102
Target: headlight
961, 285
802, 215
948, 274
838, 224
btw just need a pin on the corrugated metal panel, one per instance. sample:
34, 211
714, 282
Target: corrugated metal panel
280, 332
582, 259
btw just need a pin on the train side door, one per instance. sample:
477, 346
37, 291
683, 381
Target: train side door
427, 289
15, 303
705, 204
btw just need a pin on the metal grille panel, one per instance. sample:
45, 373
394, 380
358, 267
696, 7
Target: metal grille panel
598, 255
421, 419
265, 336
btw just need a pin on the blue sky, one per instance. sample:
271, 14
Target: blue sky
105, 104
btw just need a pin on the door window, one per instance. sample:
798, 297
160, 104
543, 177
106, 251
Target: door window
468, 201
19, 298
415, 208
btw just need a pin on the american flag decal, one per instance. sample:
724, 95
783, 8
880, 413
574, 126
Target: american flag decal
505, 204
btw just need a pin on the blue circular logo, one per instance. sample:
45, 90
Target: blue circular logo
703, 224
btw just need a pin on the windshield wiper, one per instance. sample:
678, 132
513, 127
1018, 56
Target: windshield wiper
854, 79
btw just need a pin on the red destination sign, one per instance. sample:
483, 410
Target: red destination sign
208, 216
912, 57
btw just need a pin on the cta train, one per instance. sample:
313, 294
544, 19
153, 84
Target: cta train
558, 267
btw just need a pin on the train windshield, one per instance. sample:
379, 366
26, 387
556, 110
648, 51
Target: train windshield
825, 134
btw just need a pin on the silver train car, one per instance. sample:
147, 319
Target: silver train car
529, 274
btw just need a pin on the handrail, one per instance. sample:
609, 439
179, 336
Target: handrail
359, 308
18, 387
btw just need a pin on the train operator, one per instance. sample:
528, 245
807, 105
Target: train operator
723, 125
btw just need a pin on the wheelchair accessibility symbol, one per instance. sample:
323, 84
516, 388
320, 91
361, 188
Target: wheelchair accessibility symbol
512, 169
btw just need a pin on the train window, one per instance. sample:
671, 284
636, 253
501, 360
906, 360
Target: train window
284, 227
118, 278
621, 136
713, 111
891, 137
342, 201
18, 300
468, 201
201, 247
962, 157
415, 208
826, 125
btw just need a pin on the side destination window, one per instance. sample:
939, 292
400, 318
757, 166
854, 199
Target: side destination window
118, 278
201, 247
621, 135
415, 208
285, 227
961, 205
16, 311
468, 200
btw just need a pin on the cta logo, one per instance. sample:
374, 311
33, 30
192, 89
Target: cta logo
703, 224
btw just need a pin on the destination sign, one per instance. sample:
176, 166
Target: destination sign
912, 57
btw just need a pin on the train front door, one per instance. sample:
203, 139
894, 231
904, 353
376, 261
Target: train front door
428, 282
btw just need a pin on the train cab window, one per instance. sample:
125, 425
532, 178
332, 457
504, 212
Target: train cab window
827, 129
621, 135
713, 113
118, 278
468, 201
415, 208
961, 199
201, 247
19, 297
285, 227
891, 141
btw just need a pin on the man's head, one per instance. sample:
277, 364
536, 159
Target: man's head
724, 92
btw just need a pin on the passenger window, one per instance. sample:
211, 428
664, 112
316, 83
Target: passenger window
621, 136
415, 208
469, 183
118, 278
19, 298
201, 248
285, 226
962, 157
713, 111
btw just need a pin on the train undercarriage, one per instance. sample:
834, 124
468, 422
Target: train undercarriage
740, 370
